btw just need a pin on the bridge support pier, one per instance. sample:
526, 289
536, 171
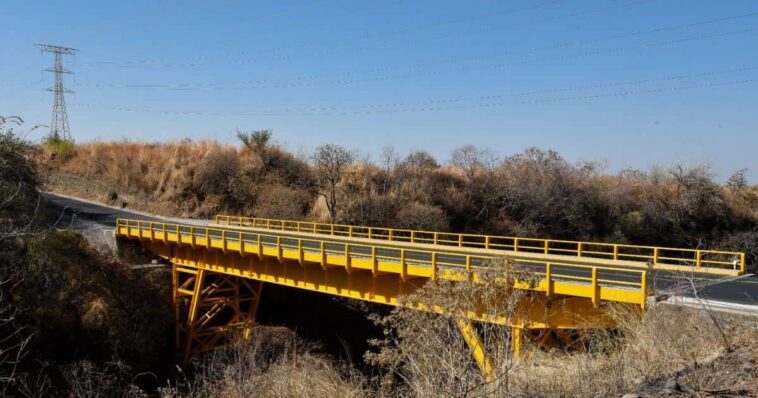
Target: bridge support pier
209, 307
478, 350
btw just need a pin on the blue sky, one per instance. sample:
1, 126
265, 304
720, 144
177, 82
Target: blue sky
635, 83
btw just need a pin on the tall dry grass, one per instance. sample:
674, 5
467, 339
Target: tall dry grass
273, 363
424, 355
164, 169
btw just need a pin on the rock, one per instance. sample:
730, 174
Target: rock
154, 261
639, 380
672, 384
631, 395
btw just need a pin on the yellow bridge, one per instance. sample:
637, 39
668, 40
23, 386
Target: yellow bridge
219, 271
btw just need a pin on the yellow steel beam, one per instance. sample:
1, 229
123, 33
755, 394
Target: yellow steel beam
212, 267
218, 303
565, 284
698, 260
478, 350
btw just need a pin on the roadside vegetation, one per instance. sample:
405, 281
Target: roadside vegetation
72, 325
532, 193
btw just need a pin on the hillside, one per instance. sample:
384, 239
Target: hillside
534, 193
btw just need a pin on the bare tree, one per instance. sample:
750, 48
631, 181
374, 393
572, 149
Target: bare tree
738, 181
331, 161
471, 160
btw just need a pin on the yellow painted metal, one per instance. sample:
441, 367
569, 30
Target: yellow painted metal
478, 350
219, 273
517, 341
213, 304
405, 263
709, 261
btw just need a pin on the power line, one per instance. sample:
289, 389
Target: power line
481, 101
192, 61
312, 80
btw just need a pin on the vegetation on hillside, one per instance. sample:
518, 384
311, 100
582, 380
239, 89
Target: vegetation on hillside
533, 193
65, 310
71, 323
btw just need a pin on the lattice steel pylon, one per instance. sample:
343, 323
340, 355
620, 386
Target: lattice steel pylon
59, 124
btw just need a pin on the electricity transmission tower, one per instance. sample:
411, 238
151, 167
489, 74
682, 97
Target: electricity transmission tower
59, 125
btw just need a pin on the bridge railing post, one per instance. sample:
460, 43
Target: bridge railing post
348, 261
643, 289
698, 258
260, 247
434, 266
374, 261
323, 254
595, 289
549, 279
300, 252
403, 265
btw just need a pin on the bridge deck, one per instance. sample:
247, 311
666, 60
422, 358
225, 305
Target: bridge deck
407, 260
717, 262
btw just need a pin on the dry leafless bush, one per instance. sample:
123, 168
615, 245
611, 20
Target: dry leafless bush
665, 341
425, 350
273, 363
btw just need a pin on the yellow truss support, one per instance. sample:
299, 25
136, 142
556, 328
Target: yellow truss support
218, 275
209, 306
478, 350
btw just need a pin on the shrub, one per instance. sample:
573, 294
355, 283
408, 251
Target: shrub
420, 216
215, 172
273, 363
59, 148
18, 184
281, 202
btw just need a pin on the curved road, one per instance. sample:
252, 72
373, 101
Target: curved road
739, 292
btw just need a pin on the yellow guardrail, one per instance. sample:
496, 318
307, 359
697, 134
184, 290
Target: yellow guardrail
652, 255
594, 282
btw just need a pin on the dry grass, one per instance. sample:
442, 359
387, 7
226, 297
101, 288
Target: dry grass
275, 363
164, 169
664, 342
424, 355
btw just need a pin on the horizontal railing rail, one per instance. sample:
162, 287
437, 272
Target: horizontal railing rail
427, 263
652, 255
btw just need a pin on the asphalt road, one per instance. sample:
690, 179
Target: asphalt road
739, 290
